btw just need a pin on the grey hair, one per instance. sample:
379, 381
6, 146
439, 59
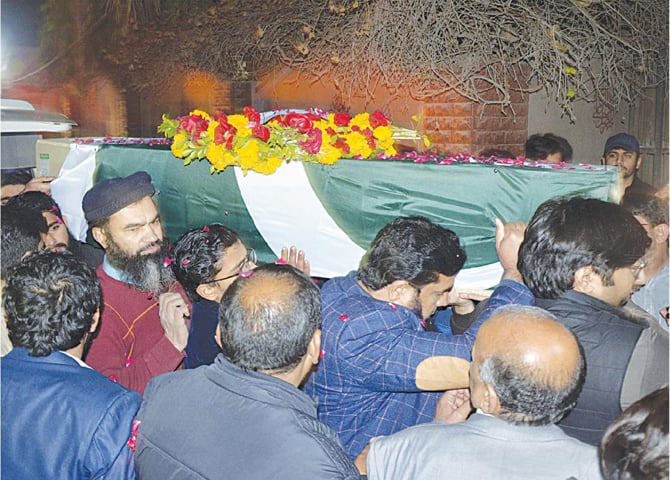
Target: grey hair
523, 398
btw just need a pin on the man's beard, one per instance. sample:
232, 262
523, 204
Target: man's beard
145, 272
417, 308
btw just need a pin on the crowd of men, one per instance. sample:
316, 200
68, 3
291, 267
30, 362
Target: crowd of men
136, 358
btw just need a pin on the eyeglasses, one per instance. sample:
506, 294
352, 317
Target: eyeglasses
637, 268
246, 266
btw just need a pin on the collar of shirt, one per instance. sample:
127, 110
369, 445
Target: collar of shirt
78, 360
114, 272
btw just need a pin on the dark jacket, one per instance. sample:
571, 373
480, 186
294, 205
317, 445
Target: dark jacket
201, 348
61, 419
219, 421
638, 186
90, 255
608, 339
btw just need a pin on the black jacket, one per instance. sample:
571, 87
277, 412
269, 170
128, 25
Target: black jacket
219, 421
608, 339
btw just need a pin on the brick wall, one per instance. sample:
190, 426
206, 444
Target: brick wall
454, 124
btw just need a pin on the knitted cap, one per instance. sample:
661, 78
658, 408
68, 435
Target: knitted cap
109, 196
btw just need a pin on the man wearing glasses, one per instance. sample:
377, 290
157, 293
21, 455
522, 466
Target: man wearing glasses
581, 259
206, 261
144, 328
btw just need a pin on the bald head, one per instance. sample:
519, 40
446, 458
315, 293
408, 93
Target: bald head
268, 319
533, 363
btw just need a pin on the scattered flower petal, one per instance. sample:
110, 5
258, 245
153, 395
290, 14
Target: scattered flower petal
132, 441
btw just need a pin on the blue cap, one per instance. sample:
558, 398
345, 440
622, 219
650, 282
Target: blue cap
624, 141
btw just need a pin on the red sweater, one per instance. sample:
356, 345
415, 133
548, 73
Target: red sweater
131, 346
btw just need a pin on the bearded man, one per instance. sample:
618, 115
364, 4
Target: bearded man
381, 371
144, 327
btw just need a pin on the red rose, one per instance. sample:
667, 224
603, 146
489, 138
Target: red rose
220, 117
223, 131
300, 122
370, 137
341, 144
259, 131
313, 142
252, 115
378, 119
195, 125
341, 119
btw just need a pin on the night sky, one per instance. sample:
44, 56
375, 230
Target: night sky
20, 21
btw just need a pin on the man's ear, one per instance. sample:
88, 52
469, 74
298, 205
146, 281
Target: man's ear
586, 280
660, 233
206, 291
399, 291
602, 160
638, 163
96, 321
217, 336
490, 403
314, 347
100, 237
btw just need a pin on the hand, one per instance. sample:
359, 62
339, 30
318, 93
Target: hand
173, 312
360, 462
453, 406
508, 240
462, 301
295, 258
39, 184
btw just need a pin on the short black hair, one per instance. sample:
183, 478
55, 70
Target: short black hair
20, 233
50, 301
413, 249
38, 201
267, 331
566, 148
635, 445
197, 256
539, 147
568, 233
15, 176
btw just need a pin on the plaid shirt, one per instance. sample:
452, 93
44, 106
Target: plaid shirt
366, 381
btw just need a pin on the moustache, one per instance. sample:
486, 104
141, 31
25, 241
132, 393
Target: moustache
145, 249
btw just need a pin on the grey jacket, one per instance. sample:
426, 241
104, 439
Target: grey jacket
219, 421
481, 447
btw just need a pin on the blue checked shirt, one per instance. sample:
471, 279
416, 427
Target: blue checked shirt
366, 381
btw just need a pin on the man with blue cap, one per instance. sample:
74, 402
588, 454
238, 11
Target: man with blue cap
623, 151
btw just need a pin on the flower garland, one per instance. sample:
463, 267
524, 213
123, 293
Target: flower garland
315, 136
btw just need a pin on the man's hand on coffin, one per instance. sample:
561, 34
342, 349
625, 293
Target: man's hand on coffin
508, 240
295, 258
